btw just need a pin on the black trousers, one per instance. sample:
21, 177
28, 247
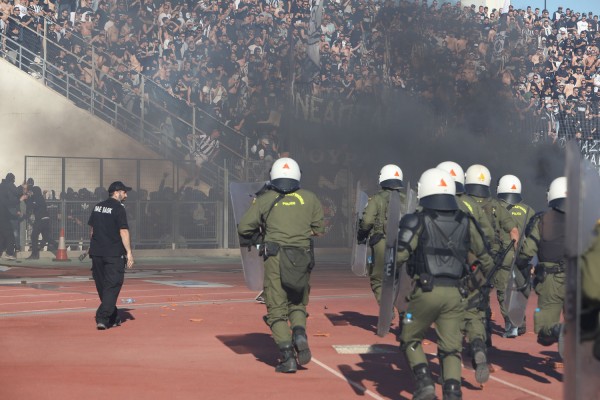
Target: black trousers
109, 274
41, 226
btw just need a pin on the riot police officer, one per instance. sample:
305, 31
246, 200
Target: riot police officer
474, 322
590, 290
286, 217
373, 221
436, 242
477, 186
546, 238
509, 197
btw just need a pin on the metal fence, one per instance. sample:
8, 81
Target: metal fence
173, 224
162, 211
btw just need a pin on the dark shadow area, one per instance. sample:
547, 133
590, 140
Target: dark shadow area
125, 315
344, 318
389, 373
525, 364
260, 345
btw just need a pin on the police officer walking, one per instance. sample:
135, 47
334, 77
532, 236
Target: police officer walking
436, 243
546, 238
286, 217
474, 321
110, 251
509, 197
373, 221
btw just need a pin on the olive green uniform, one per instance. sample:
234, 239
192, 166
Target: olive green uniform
473, 324
290, 223
373, 220
444, 306
522, 214
501, 222
590, 270
549, 283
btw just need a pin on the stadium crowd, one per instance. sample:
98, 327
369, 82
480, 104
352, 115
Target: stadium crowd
232, 58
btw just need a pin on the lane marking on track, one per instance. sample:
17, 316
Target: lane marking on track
160, 304
512, 385
506, 383
358, 386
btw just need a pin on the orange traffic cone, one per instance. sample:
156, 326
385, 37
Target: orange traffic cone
61, 253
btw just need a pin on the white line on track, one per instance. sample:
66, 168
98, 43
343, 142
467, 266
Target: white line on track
511, 385
522, 389
358, 386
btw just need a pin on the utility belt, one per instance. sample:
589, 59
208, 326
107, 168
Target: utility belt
541, 271
427, 282
554, 270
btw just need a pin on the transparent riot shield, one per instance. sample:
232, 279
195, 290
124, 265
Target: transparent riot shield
391, 273
359, 250
517, 288
242, 195
405, 281
583, 211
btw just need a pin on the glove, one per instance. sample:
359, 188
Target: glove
250, 240
361, 236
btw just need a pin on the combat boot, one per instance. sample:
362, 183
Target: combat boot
551, 338
425, 389
510, 331
301, 345
479, 361
451, 390
287, 360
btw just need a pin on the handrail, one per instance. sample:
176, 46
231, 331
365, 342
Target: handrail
148, 133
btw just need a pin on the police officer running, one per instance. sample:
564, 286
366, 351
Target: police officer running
509, 197
373, 221
110, 251
474, 321
437, 242
286, 217
477, 186
546, 238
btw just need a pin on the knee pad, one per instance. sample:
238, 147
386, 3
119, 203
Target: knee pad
443, 354
300, 311
276, 321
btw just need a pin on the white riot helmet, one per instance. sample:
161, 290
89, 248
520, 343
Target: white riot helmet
285, 175
436, 190
509, 189
557, 193
456, 172
477, 181
391, 177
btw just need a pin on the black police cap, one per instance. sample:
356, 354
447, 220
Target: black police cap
118, 185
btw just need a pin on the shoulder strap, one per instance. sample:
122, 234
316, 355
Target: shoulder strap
263, 217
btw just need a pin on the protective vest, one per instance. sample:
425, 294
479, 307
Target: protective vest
440, 233
551, 248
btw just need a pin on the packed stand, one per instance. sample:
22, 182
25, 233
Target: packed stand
232, 59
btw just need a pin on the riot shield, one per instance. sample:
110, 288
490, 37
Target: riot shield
359, 251
391, 273
583, 211
242, 195
405, 280
517, 288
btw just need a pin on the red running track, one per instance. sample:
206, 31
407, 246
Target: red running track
211, 343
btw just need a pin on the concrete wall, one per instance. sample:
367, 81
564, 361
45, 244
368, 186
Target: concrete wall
37, 121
